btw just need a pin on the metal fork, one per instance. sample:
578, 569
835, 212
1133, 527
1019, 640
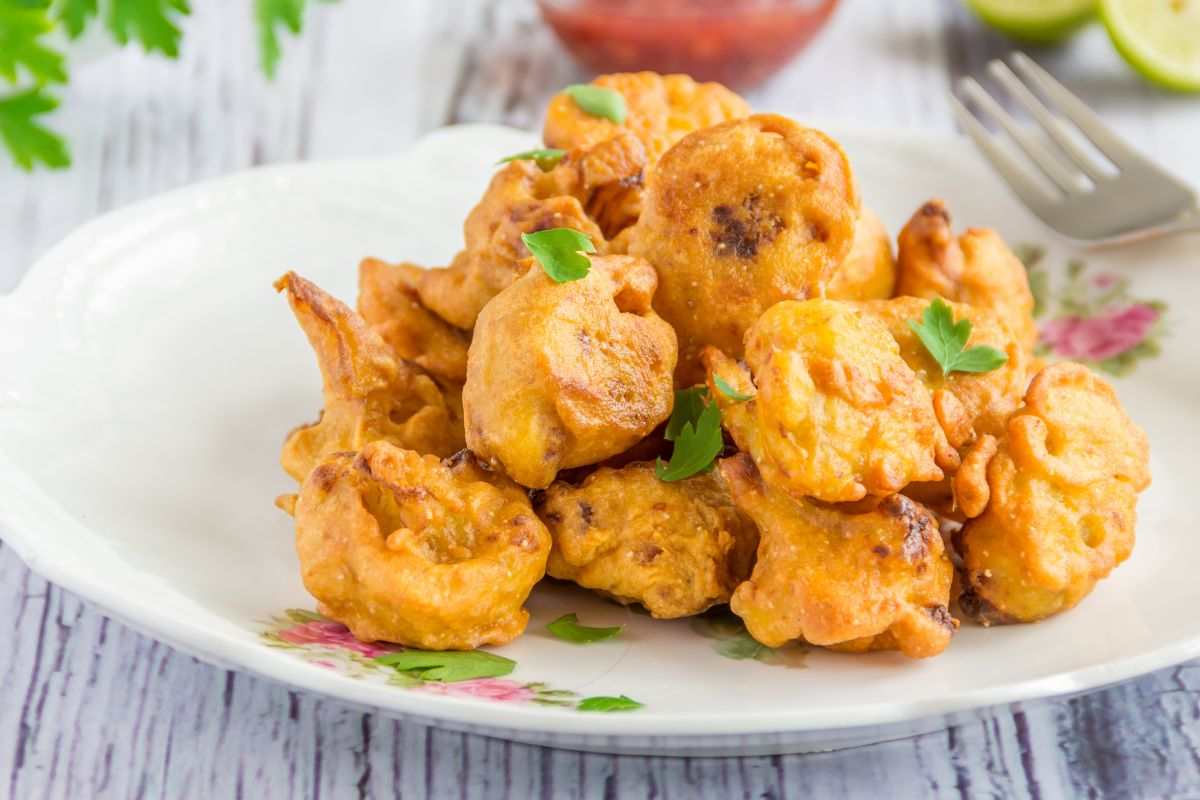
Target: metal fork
1077, 196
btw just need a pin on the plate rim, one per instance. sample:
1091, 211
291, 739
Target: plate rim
24, 506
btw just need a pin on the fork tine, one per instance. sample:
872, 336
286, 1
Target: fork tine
1033, 195
1114, 148
1049, 123
1068, 180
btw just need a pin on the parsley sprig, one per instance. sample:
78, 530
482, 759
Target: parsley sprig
695, 428
560, 252
568, 629
31, 60
598, 101
946, 341
546, 158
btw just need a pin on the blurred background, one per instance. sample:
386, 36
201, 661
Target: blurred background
366, 77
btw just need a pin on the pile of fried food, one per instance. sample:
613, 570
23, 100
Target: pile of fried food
677, 363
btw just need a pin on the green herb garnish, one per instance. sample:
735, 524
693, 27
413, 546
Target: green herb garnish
546, 158
602, 703
598, 101
730, 392
946, 339
448, 666
568, 629
558, 251
697, 443
689, 403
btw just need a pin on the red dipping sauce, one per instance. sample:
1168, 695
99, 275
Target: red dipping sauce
737, 42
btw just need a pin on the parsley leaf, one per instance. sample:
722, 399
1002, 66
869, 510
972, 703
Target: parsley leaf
568, 629
696, 445
730, 392
449, 666
598, 101
270, 14
946, 339
688, 405
21, 30
27, 141
602, 703
75, 15
546, 158
558, 252
150, 22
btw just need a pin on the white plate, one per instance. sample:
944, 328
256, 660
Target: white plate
150, 374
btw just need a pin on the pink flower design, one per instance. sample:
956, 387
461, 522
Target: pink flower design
1100, 337
331, 634
483, 688
1105, 280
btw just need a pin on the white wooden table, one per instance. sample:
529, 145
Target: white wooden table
90, 709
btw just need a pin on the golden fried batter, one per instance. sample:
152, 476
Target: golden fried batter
677, 548
369, 394
567, 374
838, 415
403, 548
388, 300
977, 268
596, 190
966, 403
661, 110
1063, 486
876, 580
869, 271
738, 217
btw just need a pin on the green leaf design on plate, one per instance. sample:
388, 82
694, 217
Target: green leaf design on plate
606, 704
568, 629
448, 666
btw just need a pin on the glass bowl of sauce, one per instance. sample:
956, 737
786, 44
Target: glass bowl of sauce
737, 42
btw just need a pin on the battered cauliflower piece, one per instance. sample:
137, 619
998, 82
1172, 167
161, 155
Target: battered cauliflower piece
878, 580
977, 268
661, 110
677, 548
1062, 489
590, 188
837, 415
966, 403
737, 218
369, 394
869, 271
405, 548
567, 374
388, 300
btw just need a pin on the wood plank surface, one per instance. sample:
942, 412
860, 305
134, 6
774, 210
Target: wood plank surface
88, 708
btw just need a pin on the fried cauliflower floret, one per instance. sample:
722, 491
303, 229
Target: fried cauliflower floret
567, 374
660, 110
389, 302
595, 190
871, 581
966, 403
369, 394
1059, 509
869, 270
737, 218
405, 548
677, 548
976, 268
837, 415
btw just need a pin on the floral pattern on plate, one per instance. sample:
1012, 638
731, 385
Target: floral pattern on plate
328, 644
732, 640
1092, 317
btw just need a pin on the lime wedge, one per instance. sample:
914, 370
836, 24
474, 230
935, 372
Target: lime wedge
1159, 38
1037, 21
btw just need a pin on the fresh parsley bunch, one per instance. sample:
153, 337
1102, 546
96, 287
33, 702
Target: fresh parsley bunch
31, 56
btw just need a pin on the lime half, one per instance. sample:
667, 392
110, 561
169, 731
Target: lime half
1038, 21
1159, 38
